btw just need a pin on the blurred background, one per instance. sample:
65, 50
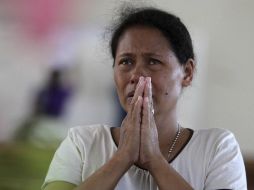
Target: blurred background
56, 73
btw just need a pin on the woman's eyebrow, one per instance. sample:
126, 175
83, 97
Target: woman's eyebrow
125, 54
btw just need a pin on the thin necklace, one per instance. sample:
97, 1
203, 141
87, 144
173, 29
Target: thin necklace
174, 141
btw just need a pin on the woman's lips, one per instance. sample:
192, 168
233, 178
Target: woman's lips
130, 96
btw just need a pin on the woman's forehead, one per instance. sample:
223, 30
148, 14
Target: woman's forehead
145, 40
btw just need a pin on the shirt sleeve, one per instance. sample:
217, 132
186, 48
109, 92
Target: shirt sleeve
226, 168
66, 164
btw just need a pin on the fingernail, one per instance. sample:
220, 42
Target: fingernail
141, 79
149, 82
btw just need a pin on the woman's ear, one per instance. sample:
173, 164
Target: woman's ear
188, 70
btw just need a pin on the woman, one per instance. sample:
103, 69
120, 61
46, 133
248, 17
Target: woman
153, 63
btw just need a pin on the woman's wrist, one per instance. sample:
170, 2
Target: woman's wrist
123, 158
155, 164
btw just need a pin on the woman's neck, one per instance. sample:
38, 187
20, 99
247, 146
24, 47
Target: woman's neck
167, 127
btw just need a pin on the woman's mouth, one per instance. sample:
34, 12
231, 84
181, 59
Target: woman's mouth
130, 96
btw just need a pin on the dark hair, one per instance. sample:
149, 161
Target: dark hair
171, 27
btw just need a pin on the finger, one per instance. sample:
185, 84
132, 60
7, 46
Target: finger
137, 110
124, 120
146, 113
146, 89
148, 92
139, 90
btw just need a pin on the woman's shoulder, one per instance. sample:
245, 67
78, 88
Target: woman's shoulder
88, 130
220, 154
88, 134
213, 133
213, 138
205, 144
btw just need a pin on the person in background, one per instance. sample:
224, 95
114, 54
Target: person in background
49, 103
153, 63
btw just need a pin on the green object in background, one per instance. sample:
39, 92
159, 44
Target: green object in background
23, 166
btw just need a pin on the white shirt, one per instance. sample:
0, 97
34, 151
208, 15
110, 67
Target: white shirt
211, 160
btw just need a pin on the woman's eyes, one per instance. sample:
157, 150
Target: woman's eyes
154, 62
125, 62
128, 62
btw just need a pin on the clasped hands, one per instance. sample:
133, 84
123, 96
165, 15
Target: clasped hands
138, 134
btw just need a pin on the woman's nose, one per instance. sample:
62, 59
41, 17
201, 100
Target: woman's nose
137, 72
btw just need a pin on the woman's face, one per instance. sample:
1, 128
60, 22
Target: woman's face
144, 51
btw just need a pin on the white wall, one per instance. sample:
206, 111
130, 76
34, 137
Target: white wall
221, 95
